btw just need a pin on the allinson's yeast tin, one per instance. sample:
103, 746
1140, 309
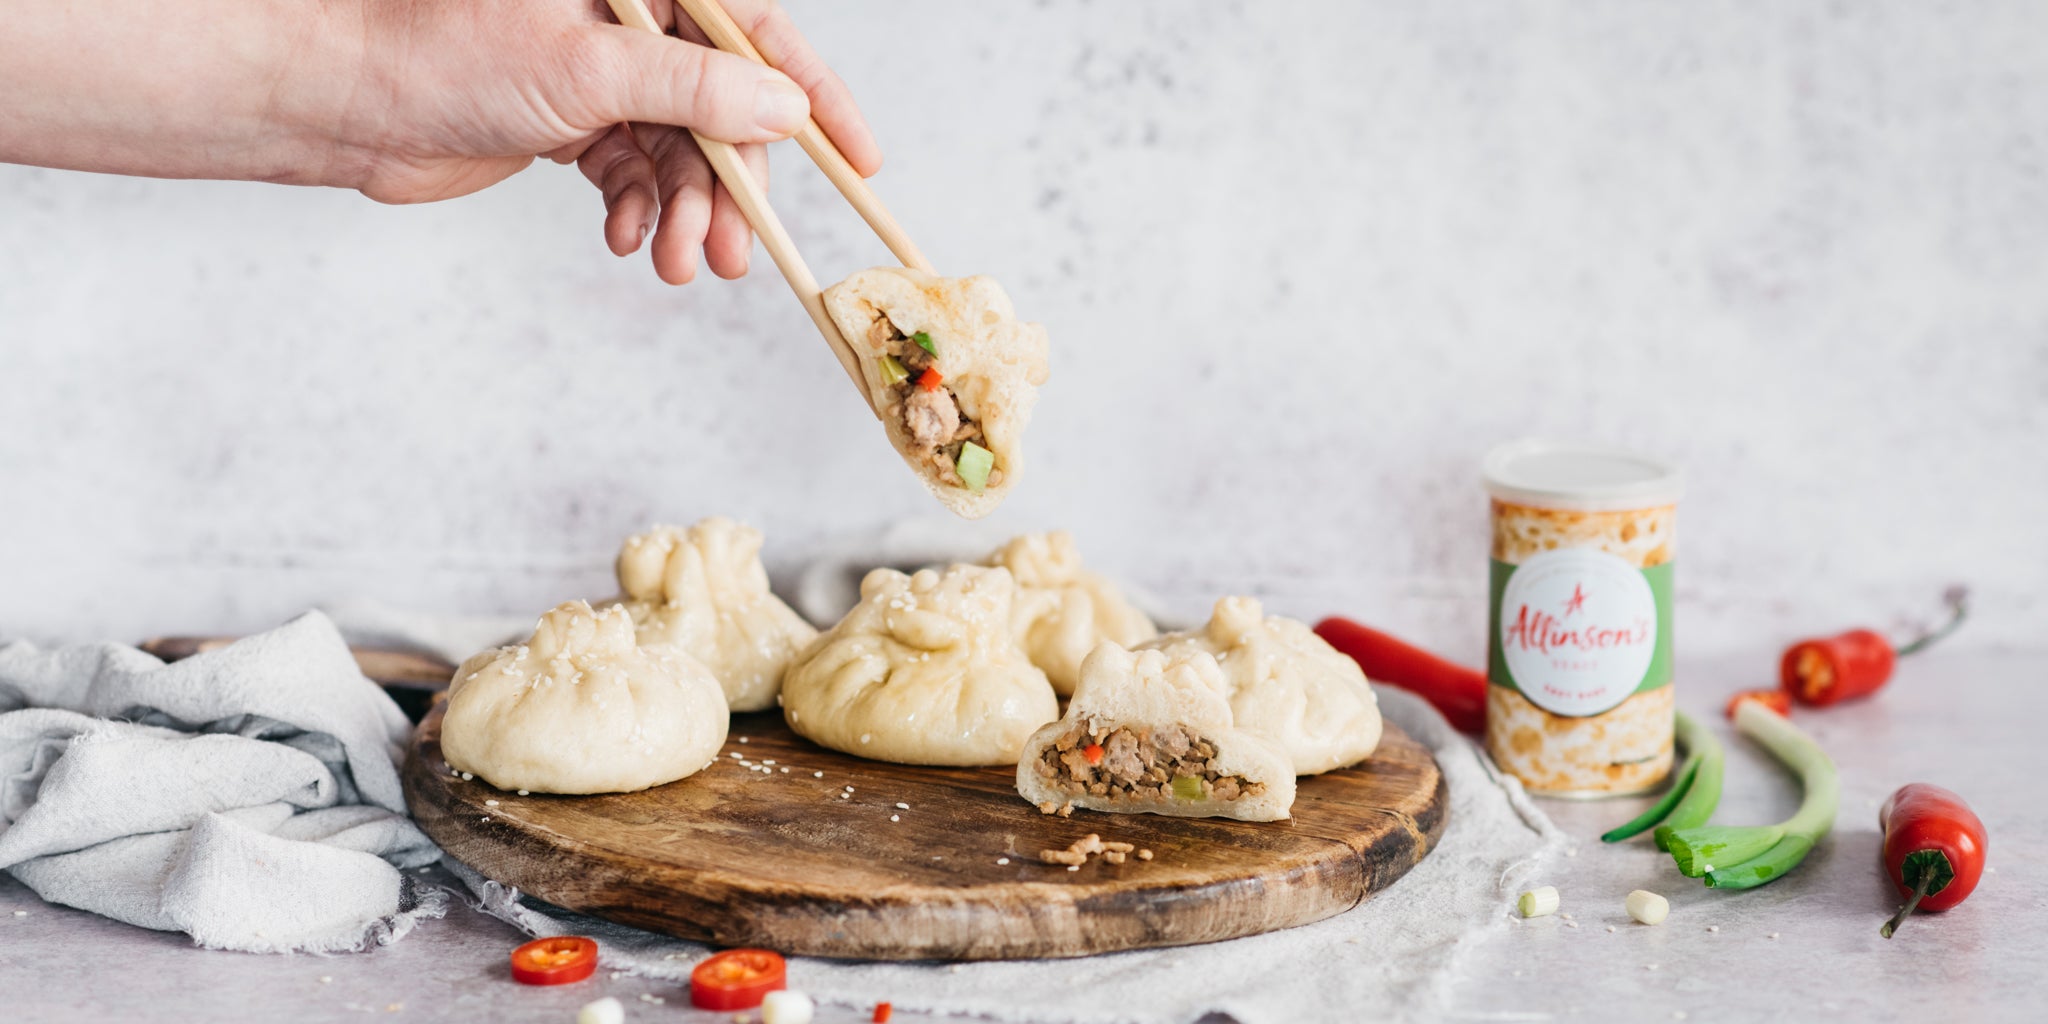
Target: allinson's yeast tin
1580, 698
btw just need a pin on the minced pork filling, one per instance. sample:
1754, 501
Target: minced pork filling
1140, 764
932, 418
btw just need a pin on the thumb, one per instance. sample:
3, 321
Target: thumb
640, 76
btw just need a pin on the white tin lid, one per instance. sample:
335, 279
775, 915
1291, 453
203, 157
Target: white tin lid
1587, 477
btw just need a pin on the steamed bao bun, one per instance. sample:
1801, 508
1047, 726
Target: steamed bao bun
1063, 609
582, 708
1287, 685
704, 590
924, 670
1163, 723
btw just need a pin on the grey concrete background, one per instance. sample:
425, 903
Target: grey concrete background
1302, 264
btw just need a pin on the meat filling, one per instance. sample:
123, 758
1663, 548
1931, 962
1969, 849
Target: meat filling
1140, 765
933, 418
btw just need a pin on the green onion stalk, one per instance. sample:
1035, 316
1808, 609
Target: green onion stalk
1692, 798
1744, 857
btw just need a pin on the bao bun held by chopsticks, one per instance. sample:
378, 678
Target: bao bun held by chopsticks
951, 373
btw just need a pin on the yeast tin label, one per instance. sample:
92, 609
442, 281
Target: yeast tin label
1578, 631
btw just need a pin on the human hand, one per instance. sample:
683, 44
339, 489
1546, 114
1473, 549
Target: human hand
411, 101
560, 79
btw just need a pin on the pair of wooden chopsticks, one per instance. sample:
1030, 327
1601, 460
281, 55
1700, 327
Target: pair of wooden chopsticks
725, 161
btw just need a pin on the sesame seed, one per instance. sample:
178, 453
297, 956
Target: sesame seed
524, 793
490, 803
734, 754
326, 980
1002, 860
864, 737
21, 913
1073, 867
846, 796
1610, 928
817, 775
902, 807
895, 817
1713, 927
1773, 935
1649, 967
743, 739
487, 819
785, 769
768, 762
467, 776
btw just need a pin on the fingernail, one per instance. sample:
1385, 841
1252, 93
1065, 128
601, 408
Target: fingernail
779, 106
644, 229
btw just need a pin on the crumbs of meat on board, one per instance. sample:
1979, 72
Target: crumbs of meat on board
1077, 854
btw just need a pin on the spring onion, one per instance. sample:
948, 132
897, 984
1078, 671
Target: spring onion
1538, 902
1691, 800
974, 465
1647, 907
1746, 857
1187, 787
893, 372
924, 341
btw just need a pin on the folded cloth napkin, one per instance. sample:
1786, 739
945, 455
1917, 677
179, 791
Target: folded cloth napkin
1391, 958
247, 796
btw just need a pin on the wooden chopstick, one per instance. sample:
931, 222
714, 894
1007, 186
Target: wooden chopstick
753, 203
725, 33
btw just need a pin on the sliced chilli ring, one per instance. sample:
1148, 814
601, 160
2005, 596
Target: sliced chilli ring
555, 960
737, 979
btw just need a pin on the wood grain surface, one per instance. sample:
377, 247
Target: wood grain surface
738, 857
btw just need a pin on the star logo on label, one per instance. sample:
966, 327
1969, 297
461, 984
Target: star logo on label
1577, 602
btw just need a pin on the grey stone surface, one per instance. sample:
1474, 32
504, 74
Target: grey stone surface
1969, 722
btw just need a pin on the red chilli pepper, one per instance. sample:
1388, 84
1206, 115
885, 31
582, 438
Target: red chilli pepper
1457, 691
1856, 663
1093, 752
1777, 700
882, 1011
1933, 848
931, 379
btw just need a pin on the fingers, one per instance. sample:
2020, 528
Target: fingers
776, 36
625, 174
625, 74
686, 185
730, 242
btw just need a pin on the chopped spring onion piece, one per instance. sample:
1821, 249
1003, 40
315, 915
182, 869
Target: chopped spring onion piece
924, 341
602, 1011
1538, 902
1744, 858
974, 465
1647, 906
786, 1007
893, 372
1187, 787
1691, 800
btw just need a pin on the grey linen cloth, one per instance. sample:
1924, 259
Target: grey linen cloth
247, 796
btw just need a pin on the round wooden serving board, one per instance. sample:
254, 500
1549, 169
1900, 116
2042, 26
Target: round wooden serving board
736, 857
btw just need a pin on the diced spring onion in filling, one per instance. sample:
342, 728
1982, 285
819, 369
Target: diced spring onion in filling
924, 341
974, 465
893, 372
1187, 787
